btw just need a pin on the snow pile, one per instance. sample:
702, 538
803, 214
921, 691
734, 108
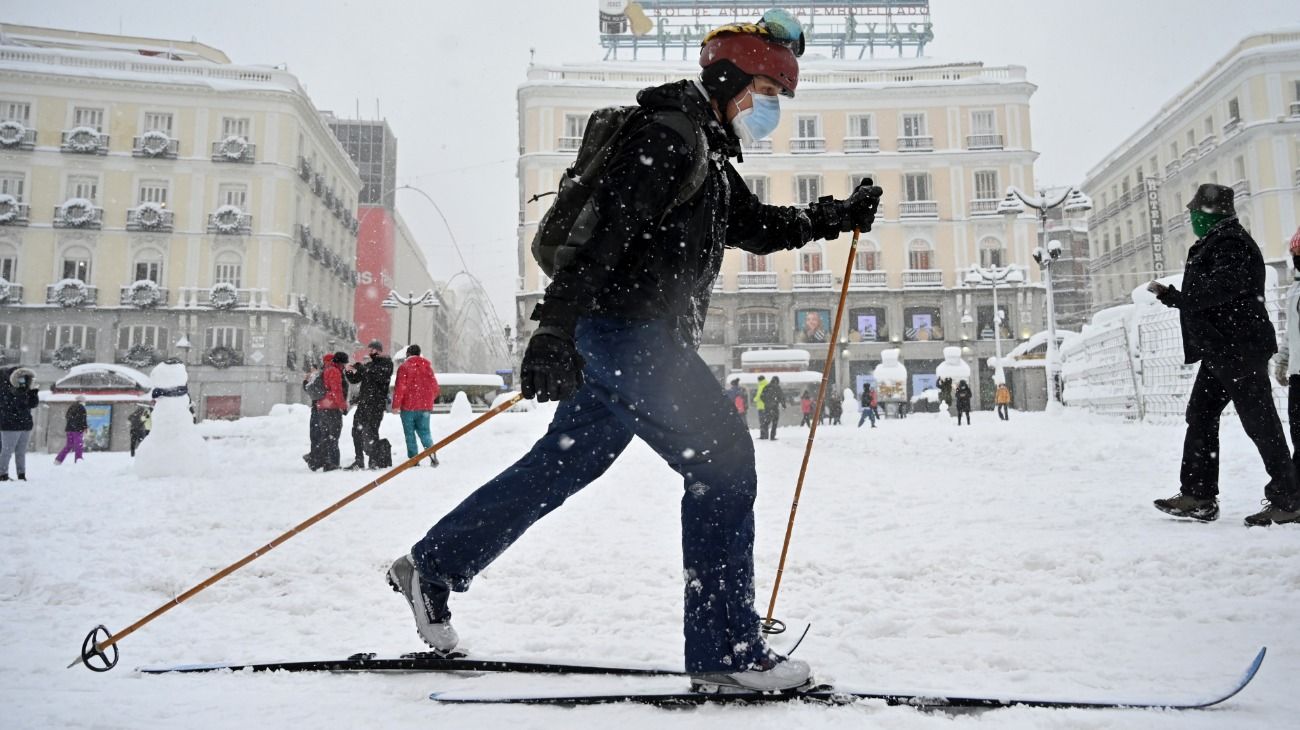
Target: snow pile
891, 376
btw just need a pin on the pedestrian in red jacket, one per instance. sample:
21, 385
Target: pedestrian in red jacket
413, 397
329, 411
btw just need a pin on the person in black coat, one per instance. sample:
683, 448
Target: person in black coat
18, 396
371, 401
1227, 329
74, 427
963, 395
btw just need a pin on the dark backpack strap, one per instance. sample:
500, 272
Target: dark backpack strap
693, 134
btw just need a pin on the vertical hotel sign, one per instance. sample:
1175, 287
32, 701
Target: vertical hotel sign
1157, 228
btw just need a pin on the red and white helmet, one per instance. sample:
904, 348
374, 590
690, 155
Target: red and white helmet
755, 55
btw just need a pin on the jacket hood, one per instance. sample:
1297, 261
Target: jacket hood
328, 360
418, 362
686, 96
17, 374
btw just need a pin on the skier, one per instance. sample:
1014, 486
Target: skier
372, 401
1226, 328
18, 396
616, 345
963, 396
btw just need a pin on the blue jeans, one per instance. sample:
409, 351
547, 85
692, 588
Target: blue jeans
639, 381
416, 423
867, 412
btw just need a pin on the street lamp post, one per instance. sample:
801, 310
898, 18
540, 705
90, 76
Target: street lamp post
1071, 200
410, 301
993, 276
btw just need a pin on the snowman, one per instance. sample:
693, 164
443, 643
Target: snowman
174, 446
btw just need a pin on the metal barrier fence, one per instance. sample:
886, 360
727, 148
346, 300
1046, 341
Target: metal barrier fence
1132, 365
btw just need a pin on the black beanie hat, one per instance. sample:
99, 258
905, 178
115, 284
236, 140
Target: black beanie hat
340, 358
724, 81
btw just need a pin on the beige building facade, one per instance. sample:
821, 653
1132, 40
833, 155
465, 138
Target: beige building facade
1237, 124
944, 141
162, 202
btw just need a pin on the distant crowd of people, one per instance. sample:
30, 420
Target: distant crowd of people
412, 398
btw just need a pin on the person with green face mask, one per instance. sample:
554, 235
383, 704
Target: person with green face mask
1226, 328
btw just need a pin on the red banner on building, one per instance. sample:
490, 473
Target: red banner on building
376, 244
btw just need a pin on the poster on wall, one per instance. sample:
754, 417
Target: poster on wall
867, 327
811, 325
99, 426
924, 381
921, 326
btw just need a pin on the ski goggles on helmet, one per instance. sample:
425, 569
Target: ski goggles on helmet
776, 26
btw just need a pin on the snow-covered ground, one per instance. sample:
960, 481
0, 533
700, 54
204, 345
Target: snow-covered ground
1019, 557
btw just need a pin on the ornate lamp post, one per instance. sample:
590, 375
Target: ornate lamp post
993, 276
1070, 200
410, 301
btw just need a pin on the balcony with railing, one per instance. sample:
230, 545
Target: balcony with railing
746, 280
201, 298
1208, 143
1173, 167
918, 209
13, 213
1191, 155
157, 146
1241, 189
227, 223
1295, 109
302, 234
11, 294
757, 335
984, 206
10, 355
78, 216
234, 149
568, 144
14, 135
984, 142
812, 279
71, 293
144, 297
761, 147
150, 218
304, 169
805, 145
1232, 126
916, 144
720, 282
865, 279
861, 145
922, 279
84, 141
1179, 220
1141, 240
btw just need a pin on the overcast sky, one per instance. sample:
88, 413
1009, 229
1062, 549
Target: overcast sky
444, 74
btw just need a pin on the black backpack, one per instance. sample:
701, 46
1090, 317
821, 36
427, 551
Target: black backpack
316, 386
572, 218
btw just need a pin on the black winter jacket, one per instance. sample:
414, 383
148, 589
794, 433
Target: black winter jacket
963, 397
1221, 307
76, 418
15, 404
374, 376
636, 267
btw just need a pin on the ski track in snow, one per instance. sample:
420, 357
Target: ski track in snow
1019, 557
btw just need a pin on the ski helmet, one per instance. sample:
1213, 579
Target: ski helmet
752, 54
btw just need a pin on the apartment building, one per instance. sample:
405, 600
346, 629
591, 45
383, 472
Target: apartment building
1236, 124
944, 140
158, 201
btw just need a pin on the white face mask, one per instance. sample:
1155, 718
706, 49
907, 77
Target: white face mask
759, 120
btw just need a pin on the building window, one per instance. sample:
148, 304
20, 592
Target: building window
76, 263
11, 338
148, 266
916, 186
755, 262
757, 185
83, 186
16, 111
1140, 178
78, 335
857, 179
158, 121
756, 328
986, 185
228, 269
983, 125
862, 125
8, 266
231, 337
922, 324
810, 258
575, 125
868, 256
914, 125
152, 191
1173, 150
147, 335
808, 126
1234, 110
807, 188
235, 194
867, 324
11, 183
1209, 126
84, 116
1238, 169
991, 253
235, 127
920, 255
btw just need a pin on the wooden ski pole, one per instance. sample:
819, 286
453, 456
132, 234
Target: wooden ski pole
771, 625
93, 647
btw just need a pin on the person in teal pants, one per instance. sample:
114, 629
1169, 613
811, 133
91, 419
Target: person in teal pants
413, 397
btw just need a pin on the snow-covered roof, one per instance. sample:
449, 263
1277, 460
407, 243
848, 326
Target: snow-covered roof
756, 357
111, 376
49, 397
800, 377
453, 379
